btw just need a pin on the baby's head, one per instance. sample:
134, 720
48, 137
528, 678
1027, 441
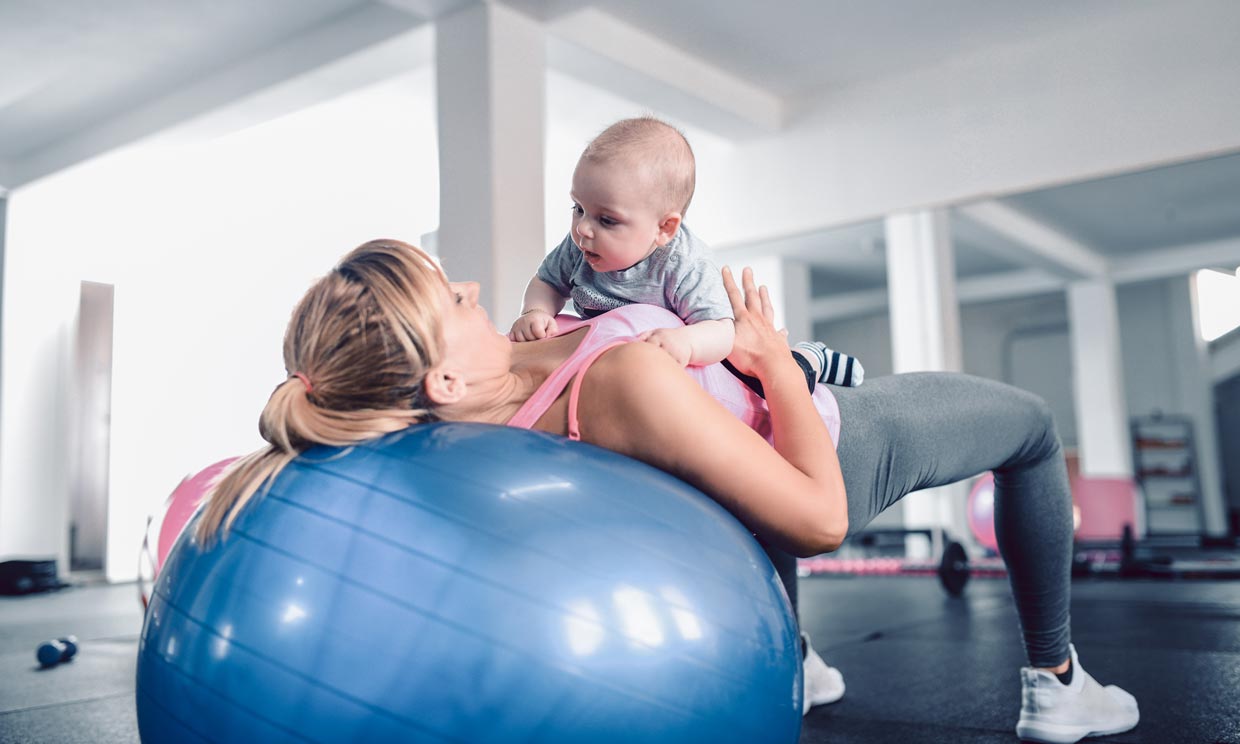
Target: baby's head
631, 189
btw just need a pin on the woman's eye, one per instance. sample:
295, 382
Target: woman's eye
460, 298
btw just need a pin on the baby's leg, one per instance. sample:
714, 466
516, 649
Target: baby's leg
818, 363
829, 366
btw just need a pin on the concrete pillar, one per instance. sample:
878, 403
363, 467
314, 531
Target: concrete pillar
1103, 435
925, 336
921, 287
491, 71
787, 281
4, 212
1195, 383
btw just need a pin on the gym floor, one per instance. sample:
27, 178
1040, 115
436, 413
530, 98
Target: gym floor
920, 667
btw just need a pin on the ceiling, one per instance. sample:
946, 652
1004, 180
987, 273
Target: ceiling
78, 77
821, 44
69, 64
1147, 210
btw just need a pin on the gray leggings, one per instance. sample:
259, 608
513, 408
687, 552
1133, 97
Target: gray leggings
908, 432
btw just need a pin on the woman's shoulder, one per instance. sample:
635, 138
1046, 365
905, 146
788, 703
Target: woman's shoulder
636, 373
633, 352
629, 388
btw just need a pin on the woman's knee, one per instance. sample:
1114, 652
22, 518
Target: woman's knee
1038, 420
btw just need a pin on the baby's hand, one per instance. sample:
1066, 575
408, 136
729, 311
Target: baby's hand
671, 340
532, 326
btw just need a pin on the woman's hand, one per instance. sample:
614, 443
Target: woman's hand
757, 342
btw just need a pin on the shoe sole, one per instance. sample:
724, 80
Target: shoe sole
815, 702
1055, 733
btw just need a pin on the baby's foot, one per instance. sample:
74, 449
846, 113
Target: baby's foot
831, 367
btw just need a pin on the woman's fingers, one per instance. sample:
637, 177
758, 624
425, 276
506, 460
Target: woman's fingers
753, 303
734, 293
768, 309
749, 297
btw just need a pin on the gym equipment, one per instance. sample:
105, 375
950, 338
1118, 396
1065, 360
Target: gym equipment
880, 552
29, 576
981, 511
165, 526
954, 568
466, 582
51, 653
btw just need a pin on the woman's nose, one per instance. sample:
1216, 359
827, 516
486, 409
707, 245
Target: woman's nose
472, 290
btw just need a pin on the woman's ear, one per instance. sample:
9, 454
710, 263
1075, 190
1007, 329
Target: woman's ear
444, 386
668, 226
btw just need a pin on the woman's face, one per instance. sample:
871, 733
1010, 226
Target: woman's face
471, 341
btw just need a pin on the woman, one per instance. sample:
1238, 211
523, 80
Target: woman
385, 341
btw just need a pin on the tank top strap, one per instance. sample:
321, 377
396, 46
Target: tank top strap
574, 392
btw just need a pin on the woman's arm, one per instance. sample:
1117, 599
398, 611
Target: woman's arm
637, 401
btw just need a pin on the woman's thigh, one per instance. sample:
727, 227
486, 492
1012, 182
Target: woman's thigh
904, 433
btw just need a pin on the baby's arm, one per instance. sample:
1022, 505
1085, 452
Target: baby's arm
538, 311
704, 342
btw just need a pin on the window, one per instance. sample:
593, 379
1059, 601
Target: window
1218, 302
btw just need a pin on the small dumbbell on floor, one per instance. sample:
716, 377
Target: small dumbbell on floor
51, 653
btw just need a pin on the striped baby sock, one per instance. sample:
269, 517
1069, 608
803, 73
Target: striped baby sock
834, 367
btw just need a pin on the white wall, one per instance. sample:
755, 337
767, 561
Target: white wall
1150, 323
1146, 325
209, 246
1156, 85
577, 113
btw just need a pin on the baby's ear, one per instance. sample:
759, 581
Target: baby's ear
668, 225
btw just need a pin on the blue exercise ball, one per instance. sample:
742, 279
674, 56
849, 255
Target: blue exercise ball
471, 583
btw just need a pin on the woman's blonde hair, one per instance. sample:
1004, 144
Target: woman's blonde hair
357, 350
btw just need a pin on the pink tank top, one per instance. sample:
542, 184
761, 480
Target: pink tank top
623, 325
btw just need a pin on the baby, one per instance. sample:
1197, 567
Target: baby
629, 244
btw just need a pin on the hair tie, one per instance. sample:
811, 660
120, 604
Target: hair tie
305, 380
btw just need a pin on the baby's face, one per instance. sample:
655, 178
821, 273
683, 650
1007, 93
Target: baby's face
616, 223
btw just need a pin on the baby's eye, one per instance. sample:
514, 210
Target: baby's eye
607, 222
577, 210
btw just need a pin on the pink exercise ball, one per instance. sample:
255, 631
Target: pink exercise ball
166, 525
982, 511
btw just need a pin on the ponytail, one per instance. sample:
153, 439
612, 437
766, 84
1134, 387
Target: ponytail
357, 349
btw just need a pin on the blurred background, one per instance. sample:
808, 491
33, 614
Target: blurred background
1045, 193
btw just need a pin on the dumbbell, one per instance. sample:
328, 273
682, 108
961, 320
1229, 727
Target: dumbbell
51, 653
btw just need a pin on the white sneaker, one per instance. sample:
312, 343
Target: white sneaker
1056, 713
823, 683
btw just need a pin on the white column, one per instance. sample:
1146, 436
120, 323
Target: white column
921, 287
787, 281
491, 71
1195, 380
925, 336
1098, 381
4, 212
